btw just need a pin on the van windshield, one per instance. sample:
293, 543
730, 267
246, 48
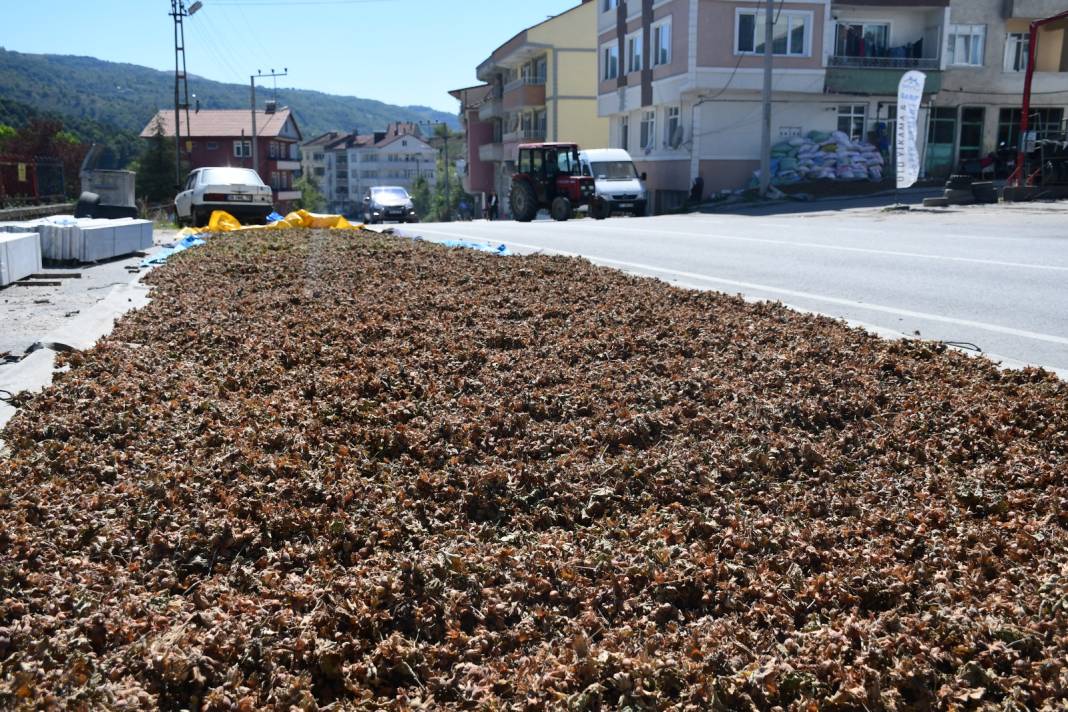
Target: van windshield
614, 170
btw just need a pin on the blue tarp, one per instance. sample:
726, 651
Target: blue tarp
481, 246
174, 248
275, 217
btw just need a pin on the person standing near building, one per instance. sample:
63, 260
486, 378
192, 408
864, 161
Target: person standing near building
493, 208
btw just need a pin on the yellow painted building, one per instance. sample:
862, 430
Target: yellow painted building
543, 87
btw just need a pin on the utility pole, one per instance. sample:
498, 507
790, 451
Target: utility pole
181, 80
252, 83
769, 61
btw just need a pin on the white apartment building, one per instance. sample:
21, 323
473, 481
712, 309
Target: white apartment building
346, 165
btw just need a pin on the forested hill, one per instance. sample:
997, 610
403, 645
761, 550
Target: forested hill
127, 95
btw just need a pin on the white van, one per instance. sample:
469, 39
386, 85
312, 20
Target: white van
617, 180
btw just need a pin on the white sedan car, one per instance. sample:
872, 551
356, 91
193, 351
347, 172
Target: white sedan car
238, 191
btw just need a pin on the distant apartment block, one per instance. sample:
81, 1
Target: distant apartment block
541, 86
345, 165
680, 80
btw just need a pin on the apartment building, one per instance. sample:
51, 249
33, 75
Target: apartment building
477, 175
978, 108
542, 87
350, 163
680, 80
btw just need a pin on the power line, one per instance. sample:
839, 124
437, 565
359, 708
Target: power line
296, 3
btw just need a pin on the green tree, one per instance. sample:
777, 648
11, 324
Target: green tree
311, 198
155, 175
421, 198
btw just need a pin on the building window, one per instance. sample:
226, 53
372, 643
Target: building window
965, 47
1043, 122
541, 70
317, 156
272, 150
242, 149
607, 5
213, 146
852, 119
672, 127
320, 172
610, 56
1017, 45
791, 33
624, 132
662, 43
648, 129
971, 131
634, 53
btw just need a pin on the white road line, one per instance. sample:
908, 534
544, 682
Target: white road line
843, 248
1022, 333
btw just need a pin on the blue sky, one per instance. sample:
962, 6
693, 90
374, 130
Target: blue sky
397, 51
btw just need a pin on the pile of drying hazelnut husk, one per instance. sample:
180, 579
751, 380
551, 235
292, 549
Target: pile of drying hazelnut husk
324, 470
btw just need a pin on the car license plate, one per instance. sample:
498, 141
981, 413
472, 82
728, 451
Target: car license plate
626, 205
239, 198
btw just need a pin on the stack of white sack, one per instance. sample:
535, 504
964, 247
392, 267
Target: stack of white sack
823, 156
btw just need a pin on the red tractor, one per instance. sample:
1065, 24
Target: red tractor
550, 177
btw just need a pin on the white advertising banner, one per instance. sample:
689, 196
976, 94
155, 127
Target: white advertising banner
909, 96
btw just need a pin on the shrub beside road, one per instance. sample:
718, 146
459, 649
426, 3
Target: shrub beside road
320, 468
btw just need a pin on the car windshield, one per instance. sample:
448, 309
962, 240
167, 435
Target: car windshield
230, 176
390, 193
614, 170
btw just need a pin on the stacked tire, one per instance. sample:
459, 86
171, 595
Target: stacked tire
964, 190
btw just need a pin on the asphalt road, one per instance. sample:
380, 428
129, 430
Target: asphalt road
992, 276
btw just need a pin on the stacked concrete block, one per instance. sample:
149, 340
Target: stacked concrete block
20, 256
68, 239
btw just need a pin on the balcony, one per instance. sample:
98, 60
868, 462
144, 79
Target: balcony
492, 108
491, 152
524, 93
525, 135
906, 63
874, 81
1032, 9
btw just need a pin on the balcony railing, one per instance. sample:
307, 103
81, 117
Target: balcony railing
886, 62
525, 135
524, 81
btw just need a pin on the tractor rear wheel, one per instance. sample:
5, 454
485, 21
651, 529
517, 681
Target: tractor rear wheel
560, 209
524, 202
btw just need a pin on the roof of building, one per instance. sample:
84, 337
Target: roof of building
520, 37
379, 139
323, 140
211, 123
471, 96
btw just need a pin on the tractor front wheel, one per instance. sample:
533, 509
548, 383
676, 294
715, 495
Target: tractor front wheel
560, 209
524, 202
600, 209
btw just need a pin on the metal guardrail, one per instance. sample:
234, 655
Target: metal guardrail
29, 212
885, 62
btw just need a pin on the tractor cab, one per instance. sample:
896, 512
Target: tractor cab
550, 177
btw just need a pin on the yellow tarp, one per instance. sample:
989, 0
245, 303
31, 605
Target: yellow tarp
222, 221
